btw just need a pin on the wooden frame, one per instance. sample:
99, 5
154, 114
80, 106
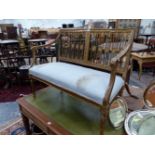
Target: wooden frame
85, 47
152, 84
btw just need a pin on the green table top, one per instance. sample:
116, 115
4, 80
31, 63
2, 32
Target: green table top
71, 113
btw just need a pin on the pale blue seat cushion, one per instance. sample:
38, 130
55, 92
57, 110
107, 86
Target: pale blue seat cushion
90, 83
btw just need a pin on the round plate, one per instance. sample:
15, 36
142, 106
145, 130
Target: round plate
140, 122
147, 127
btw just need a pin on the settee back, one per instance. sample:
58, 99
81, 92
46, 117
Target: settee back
96, 48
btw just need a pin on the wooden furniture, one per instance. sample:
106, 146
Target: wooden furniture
50, 31
44, 54
24, 57
138, 47
149, 96
17, 51
34, 35
11, 32
147, 37
92, 65
143, 58
129, 23
57, 112
8, 51
16, 57
8, 63
139, 40
151, 43
43, 34
4, 26
1, 36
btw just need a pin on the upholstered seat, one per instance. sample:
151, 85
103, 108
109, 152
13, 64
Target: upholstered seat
90, 83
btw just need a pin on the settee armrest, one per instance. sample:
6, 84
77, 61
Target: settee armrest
35, 48
114, 64
122, 53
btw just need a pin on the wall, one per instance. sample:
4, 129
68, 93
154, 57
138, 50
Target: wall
147, 26
42, 23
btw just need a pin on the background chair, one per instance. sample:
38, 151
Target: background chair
139, 40
23, 60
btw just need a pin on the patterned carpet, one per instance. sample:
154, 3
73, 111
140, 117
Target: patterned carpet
12, 93
145, 80
9, 111
14, 127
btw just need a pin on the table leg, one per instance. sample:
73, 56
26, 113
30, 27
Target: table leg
146, 40
32, 87
131, 67
26, 124
140, 70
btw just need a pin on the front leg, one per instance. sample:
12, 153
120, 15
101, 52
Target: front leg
32, 87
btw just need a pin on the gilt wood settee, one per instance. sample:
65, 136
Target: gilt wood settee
91, 65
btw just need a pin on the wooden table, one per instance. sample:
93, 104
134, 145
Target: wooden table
142, 58
151, 43
137, 47
146, 36
56, 112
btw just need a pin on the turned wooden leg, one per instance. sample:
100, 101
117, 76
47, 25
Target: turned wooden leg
140, 70
131, 67
102, 124
32, 87
26, 124
128, 91
103, 119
